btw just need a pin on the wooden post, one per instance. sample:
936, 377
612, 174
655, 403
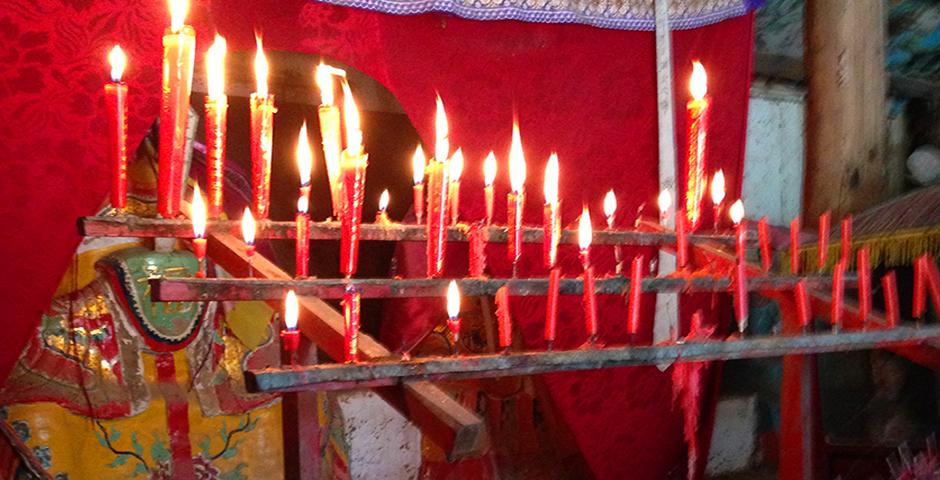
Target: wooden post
847, 168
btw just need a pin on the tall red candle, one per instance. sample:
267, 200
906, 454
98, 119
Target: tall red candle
352, 167
302, 250
846, 239
351, 313
115, 100
437, 172
551, 308
838, 294
889, 284
740, 230
610, 209
453, 190
329, 116
551, 223
763, 236
920, 288
504, 320
803, 308
863, 266
489, 176
740, 294
822, 248
590, 305
179, 50
697, 110
682, 240
795, 246
216, 115
516, 198
261, 136
636, 294
418, 162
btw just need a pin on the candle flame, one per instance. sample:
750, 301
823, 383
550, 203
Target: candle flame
610, 204
303, 204
489, 169
248, 227
118, 61
198, 213
324, 79
736, 212
453, 300
585, 233
718, 187
291, 310
551, 180
442, 136
383, 200
215, 68
418, 160
698, 83
178, 9
351, 117
665, 201
304, 155
261, 68
516, 161
456, 166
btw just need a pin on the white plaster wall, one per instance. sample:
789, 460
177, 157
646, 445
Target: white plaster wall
734, 441
382, 443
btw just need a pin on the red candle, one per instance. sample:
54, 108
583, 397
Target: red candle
795, 246
698, 126
864, 284
551, 309
933, 281
453, 312
504, 320
590, 305
290, 337
740, 230
199, 231
115, 100
351, 312
437, 172
636, 294
838, 294
889, 283
248, 235
846, 238
551, 223
477, 240
453, 190
682, 241
740, 294
418, 162
261, 137
822, 249
718, 195
329, 116
489, 176
610, 208
302, 249
179, 47
216, 114
516, 198
803, 308
920, 287
763, 235
352, 168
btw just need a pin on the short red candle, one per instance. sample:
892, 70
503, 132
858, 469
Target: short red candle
740, 294
115, 99
822, 249
838, 294
889, 283
179, 50
199, 250
302, 250
418, 190
290, 341
846, 239
863, 266
920, 287
453, 190
503, 317
803, 308
795, 246
477, 250
551, 308
353, 175
763, 236
636, 294
351, 312
590, 304
682, 241
515, 206
437, 217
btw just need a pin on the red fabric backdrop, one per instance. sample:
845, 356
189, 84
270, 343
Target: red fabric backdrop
587, 93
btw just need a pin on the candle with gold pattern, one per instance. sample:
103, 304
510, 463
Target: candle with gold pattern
695, 161
516, 198
261, 136
489, 176
179, 54
437, 171
418, 162
199, 231
453, 312
453, 191
330, 132
551, 223
115, 100
352, 169
216, 115
352, 310
585, 235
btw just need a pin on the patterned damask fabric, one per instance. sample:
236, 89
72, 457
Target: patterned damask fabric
616, 14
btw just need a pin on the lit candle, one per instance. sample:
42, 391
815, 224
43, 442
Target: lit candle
763, 238
740, 269
179, 54
718, 195
889, 284
610, 208
736, 212
351, 311
920, 288
353, 173
216, 115
453, 191
489, 176
846, 239
636, 294
304, 157
516, 198
822, 249
862, 265
302, 245
795, 246
261, 136
115, 99
803, 308
585, 235
838, 295
418, 162
551, 220
682, 240
248, 235
437, 196
199, 231
381, 217
328, 114
290, 337
453, 312
551, 308
698, 125
664, 202
503, 317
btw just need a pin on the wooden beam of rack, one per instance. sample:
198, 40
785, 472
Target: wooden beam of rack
345, 376
131, 226
196, 289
